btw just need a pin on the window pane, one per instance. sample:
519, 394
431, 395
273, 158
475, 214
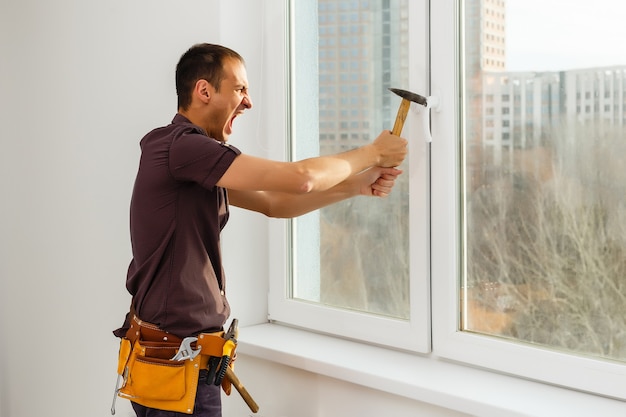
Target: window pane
354, 254
545, 191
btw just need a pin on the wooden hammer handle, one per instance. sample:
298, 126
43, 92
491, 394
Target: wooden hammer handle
401, 117
230, 374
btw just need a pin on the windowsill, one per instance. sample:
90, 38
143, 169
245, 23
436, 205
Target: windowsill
422, 378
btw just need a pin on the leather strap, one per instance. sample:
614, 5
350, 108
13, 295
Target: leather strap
142, 330
211, 343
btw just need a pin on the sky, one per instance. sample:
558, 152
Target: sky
552, 35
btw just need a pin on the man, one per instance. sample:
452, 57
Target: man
188, 175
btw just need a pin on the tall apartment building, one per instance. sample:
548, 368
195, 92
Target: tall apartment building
484, 48
363, 50
485, 35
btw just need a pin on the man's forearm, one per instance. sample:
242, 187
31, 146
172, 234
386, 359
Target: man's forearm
325, 172
373, 182
287, 205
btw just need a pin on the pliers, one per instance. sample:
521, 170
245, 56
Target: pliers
217, 366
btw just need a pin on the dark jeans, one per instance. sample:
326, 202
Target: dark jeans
208, 403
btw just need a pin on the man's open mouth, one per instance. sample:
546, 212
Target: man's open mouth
232, 119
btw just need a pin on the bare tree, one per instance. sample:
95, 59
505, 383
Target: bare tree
365, 253
551, 253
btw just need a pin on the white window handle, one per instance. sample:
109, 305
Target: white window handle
432, 102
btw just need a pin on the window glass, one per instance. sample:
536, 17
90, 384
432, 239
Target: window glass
544, 201
355, 254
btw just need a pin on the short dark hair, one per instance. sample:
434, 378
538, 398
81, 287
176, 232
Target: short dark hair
203, 61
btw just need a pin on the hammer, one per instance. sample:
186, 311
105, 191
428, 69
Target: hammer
407, 98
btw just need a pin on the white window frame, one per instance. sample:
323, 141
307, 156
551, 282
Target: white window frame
562, 369
412, 334
598, 377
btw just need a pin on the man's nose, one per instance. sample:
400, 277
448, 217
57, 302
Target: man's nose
247, 102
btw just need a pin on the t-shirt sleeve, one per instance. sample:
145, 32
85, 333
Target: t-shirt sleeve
200, 159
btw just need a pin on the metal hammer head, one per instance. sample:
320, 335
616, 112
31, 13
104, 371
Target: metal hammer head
407, 95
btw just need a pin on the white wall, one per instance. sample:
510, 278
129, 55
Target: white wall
80, 83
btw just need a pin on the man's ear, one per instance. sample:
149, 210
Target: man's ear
203, 90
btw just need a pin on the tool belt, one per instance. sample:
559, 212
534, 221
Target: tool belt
159, 370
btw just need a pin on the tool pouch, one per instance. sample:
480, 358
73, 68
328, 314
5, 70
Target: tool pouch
212, 345
152, 379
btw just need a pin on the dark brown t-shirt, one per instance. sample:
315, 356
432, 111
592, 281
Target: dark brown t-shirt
176, 276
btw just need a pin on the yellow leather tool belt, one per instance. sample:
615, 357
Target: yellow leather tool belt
154, 371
